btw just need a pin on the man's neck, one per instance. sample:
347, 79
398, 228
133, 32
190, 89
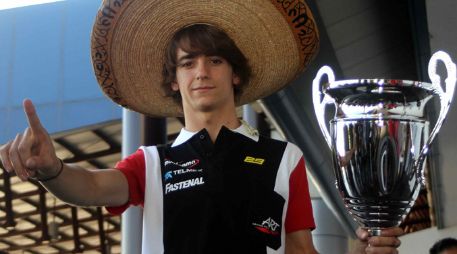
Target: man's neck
212, 122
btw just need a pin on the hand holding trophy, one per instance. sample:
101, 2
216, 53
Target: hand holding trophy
379, 138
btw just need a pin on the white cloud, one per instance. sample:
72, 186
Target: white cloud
10, 4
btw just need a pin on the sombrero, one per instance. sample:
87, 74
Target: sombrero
129, 38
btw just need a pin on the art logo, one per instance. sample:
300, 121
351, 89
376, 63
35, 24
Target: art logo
268, 226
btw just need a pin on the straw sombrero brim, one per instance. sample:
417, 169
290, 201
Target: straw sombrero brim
129, 39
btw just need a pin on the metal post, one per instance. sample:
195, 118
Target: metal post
79, 247
43, 215
10, 223
132, 218
250, 116
101, 229
154, 131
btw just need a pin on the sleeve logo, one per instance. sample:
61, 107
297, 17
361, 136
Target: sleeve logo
268, 226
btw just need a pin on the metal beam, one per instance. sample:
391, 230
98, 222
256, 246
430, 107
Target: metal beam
43, 215
80, 155
78, 247
87, 246
10, 223
101, 231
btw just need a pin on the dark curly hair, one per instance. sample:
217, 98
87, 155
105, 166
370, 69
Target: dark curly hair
443, 244
203, 39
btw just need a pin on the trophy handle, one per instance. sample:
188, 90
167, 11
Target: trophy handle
445, 96
320, 99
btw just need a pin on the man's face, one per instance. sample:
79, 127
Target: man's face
450, 251
205, 82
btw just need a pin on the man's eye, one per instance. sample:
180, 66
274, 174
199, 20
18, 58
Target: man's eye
186, 64
216, 60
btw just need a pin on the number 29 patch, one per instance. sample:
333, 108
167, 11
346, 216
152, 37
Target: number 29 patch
253, 160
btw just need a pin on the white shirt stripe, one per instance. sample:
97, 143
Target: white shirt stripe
153, 203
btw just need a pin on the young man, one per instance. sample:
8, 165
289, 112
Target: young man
220, 187
445, 246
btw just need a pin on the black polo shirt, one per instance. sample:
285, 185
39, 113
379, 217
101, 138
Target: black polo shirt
230, 196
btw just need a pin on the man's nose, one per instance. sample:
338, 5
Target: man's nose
202, 69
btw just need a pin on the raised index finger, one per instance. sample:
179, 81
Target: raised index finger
32, 117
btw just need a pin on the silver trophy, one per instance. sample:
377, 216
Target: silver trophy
379, 138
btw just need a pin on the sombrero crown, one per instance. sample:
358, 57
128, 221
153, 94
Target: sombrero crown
129, 38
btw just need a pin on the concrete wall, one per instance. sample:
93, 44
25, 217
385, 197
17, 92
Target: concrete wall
421, 241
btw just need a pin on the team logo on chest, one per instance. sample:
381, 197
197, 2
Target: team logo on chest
180, 168
182, 175
187, 164
170, 187
252, 160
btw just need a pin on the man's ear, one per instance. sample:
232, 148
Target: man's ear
174, 86
236, 80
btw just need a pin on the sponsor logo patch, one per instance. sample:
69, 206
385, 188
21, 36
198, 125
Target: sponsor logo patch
170, 187
253, 160
268, 226
187, 164
171, 173
168, 175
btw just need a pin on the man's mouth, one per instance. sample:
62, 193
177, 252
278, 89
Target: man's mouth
202, 88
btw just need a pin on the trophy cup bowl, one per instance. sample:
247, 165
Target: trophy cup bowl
379, 138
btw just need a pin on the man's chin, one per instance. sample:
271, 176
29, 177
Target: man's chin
205, 105
206, 108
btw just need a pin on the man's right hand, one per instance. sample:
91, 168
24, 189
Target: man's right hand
386, 243
30, 154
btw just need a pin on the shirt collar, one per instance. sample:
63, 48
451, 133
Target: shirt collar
244, 129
